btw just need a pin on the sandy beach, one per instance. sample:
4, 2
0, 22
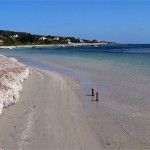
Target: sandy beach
55, 109
75, 75
49, 115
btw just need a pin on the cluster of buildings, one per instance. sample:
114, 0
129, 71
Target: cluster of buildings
67, 40
15, 36
2, 38
43, 38
55, 38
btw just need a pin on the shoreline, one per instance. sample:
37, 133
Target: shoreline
109, 122
57, 45
52, 118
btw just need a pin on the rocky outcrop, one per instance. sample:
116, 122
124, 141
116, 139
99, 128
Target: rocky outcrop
12, 75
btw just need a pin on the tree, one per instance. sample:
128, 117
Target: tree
10, 41
28, 38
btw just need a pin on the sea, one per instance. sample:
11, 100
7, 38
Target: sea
121, 75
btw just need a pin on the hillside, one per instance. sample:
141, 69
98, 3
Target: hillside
22, 38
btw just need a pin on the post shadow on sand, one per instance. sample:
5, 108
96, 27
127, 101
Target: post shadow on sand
88, 95
95, 97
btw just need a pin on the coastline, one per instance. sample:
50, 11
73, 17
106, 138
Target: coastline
59, 45
52, 118
115, 124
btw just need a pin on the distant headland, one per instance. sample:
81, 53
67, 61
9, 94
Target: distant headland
11, 38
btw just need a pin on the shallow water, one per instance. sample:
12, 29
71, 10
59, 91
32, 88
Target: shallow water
121, 74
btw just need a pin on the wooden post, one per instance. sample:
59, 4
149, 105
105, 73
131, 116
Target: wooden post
93, 91
97, 98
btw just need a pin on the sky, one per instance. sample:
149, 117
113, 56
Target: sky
123, 21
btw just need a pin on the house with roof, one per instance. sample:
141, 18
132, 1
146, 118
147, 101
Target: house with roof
15, 36
56, 38
43, 38
68, 41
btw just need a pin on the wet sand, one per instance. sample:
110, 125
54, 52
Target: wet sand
122, 116
53, 114
49, 115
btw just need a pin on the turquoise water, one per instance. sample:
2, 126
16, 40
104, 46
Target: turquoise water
113, 69
121, 75
134, 57
137, 55
108, 62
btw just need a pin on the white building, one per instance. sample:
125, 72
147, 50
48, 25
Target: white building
43, 38
15, 36
56, 38
1, 41
81, 40
68, 40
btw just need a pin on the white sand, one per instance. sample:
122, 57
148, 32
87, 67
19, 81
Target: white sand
49, 115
